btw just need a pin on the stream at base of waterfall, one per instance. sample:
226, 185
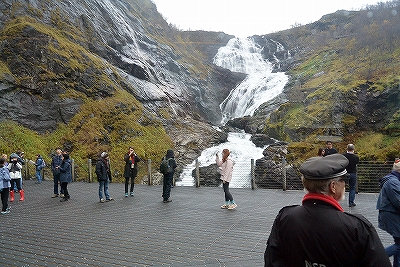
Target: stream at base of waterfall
260, 86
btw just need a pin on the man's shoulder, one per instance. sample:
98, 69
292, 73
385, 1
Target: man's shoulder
360, 218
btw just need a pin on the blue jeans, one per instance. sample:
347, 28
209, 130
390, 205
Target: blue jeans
352, 187
39, 176
228, 195
103, 185
394, 250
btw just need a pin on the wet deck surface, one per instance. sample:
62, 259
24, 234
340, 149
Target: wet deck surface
192, 230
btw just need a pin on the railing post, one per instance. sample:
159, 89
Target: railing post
149, 178
90, 170
26, 170
252, 173
284, 173
73, 170
197, 178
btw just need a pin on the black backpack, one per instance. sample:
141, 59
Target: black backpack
165, 167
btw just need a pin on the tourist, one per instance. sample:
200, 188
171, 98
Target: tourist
4, 185
388, 205
319, 232
168, 175
226, 167
55, 164
103, 173
131, 170
65, 176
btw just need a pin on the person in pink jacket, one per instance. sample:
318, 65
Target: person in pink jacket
225, 167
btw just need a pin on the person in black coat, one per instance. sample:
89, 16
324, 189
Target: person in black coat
65, 175
352, 172
319, 232
103, 176
168, 176
329, 150
131, 170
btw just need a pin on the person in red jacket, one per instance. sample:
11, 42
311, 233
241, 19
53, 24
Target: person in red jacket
319, 232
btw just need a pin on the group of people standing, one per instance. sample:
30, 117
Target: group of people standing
351, 166
131, 169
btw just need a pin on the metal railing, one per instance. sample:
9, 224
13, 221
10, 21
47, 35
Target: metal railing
275, 175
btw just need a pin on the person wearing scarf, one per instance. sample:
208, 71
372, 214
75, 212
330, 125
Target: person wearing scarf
319, 232
130, 170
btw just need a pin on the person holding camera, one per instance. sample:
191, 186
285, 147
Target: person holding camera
131, 170
14, 168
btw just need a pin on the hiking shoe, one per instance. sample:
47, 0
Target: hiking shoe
232, 206
126, 195
109, 199
224, 206
131, 194
55, 195
102, 200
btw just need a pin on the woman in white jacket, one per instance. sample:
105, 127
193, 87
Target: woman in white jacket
14, 168
226, 167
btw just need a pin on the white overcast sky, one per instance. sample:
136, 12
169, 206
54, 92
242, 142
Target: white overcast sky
244, 18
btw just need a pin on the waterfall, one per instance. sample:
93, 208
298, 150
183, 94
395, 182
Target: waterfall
260, 85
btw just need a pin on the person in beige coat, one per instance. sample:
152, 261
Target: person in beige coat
226, 167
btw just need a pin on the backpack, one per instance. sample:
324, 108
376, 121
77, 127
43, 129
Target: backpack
43, 164
165, 167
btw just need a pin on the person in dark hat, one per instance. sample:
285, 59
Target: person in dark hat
319, 232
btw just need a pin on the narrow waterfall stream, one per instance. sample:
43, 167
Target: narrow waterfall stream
260, 85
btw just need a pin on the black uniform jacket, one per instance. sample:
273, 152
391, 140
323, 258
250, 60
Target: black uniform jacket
317, 234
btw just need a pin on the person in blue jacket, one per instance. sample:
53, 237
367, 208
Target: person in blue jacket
388, 205
39, 167
4, 186
65, 176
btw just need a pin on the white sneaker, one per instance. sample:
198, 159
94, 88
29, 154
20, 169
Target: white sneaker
232, 206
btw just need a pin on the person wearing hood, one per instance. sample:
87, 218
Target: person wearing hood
65, 175
319, 232
388, 205
103, 173
168, 176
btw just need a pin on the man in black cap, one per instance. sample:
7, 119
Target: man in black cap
319, 232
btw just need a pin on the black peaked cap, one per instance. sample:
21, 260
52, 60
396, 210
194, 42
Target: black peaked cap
323, 168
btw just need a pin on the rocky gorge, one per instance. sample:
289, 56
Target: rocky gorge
115, 72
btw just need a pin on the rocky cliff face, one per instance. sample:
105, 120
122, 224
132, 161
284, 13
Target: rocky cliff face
93, 47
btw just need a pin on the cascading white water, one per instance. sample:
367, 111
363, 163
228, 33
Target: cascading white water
260, 85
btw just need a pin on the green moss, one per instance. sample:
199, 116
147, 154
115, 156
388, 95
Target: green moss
110, 124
